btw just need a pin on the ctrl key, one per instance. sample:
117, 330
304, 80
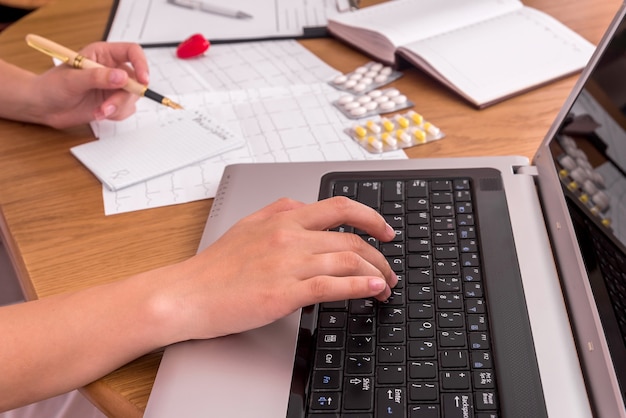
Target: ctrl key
325, 401
390, 402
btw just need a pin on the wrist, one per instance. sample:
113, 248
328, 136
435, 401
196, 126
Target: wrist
162, 311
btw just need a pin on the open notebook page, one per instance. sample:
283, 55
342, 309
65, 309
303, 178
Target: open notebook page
404, 21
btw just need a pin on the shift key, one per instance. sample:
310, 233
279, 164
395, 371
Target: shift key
358, 393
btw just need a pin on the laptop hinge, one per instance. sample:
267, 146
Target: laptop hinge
529, 170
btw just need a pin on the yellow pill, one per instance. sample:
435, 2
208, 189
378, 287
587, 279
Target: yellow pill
388, 125
420, 136
431, 129
360, 131
403, 136
402, 121
606, 222
416, 118
372, 126
563, 173
389, 139
584, 198
374, 142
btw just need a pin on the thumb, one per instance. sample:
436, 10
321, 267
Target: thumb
116, 78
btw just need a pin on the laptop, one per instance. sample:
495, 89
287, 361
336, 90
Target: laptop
542, 333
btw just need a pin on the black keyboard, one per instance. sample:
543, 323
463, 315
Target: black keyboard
427, 351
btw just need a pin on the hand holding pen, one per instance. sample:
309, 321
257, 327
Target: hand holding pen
63, 96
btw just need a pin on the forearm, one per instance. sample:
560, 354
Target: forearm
66, 341
17, 100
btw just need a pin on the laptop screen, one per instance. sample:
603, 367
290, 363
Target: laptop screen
590, 154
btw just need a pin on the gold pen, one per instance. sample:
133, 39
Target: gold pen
74, 59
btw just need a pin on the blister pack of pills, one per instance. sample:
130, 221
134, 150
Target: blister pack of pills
397, 132
373, 103
365, 78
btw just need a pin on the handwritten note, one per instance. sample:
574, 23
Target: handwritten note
181, 139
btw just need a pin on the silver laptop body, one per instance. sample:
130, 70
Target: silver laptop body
250, 374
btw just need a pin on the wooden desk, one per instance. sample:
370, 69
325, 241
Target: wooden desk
52, 217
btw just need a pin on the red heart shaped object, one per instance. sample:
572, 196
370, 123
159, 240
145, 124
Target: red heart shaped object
193, 46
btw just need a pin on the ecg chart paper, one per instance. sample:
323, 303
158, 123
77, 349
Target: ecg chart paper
282, 117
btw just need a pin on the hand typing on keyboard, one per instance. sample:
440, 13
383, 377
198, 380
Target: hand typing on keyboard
266, 266
277, 260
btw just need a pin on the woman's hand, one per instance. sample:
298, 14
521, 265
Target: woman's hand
275, 261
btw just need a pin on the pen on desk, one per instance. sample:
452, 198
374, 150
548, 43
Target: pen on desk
210, 8
74, 59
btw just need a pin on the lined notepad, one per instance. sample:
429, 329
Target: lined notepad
148, 152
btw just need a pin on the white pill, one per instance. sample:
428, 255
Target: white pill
361, 70
568, 162
340, 79
371, 74
351, 105
346, 98
599, 180
355, 76
364, 99
381, 78
370, 106
386, 70
579, 175
375, 93
359, 111
601, 200
401, 99
590, 187
377, 66
350, 83
381, 99
367, 80
388, 105
392, 93
360, 87
568, 141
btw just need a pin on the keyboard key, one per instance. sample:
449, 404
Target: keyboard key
454, 359
391, 354
390, 402
455, 380
457, 405
424, 411
485, 400
359, 364
325, 401
326, 379
358, 393
423, 370
386, 375
424, 392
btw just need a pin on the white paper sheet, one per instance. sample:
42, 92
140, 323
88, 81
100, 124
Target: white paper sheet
274, 94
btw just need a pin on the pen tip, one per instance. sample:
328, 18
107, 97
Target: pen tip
171, 103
